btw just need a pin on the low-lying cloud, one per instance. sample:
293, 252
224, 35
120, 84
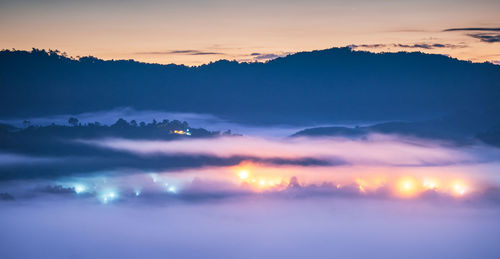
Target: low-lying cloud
396, 151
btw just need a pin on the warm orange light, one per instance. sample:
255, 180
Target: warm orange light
243, 174
261, 178
408, 187
459, 188
430, 184
361, 183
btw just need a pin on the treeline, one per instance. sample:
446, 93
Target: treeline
164, 129
122, 123
317, 87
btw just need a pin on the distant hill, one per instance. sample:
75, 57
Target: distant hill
460, 127
330, 85
491, 136
12, 138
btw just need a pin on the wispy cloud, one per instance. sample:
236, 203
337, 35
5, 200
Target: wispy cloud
428, 46
410, 46
371, 46
181, 52
268, 56
7, 159
473, 29
397, 151
488, 35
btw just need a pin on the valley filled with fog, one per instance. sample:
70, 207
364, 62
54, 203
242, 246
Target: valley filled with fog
119, 188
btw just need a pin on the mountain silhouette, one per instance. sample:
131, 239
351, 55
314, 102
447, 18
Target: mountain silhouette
330, 85
463, 127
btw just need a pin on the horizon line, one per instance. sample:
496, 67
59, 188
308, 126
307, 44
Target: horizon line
352, 47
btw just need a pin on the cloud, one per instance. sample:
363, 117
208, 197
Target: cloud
473, 29
409, 30
372, 46
196, 120
181, 52
267, 56
488, 35
322, 166
397, 151
206, 187
112, 162
426, 46
409, 46
6, 197
7, 159
57, 189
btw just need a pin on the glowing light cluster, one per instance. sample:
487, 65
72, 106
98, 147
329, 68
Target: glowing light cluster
167, 186
459, 188
108, 196
399, 186
79, 188
260, 182
408, 187
181, 132
430, 184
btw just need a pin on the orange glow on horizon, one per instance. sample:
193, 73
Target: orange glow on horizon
459, 188
260, 177
430, 184
408, 187
248, 175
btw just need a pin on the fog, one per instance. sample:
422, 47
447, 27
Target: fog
255, 227
196, 120
261, 195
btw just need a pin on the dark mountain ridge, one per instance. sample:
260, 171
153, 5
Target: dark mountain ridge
330, 85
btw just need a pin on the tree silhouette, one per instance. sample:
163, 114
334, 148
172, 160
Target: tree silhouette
73, 121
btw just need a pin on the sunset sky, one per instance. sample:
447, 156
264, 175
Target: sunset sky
338, 153
194, 32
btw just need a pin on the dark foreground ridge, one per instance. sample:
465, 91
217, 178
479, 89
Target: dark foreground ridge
319, 86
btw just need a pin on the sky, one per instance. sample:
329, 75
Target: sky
262, 194
194, 32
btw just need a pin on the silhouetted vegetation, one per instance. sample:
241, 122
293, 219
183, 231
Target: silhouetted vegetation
319, 86
61, 142
121, 128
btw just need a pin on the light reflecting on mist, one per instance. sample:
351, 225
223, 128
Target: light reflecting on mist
379, 197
